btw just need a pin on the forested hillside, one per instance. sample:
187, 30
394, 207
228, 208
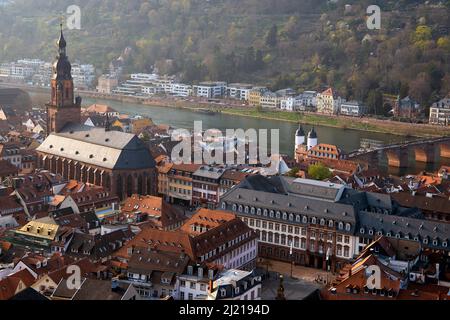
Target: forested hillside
304, 44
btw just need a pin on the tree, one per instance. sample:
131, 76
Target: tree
444, 43
272, 37
291, 28
375, 102
319, 172
293, 172
422, 36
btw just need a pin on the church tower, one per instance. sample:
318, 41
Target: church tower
62, 108
299, 137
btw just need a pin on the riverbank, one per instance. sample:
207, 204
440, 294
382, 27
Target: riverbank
233, 107
343, 122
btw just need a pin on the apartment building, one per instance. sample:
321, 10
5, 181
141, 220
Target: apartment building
210, 89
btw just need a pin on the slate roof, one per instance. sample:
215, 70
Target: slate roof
96, 146
412, 227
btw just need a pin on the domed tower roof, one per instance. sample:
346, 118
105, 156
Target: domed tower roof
61, 41
312, 134
61, 67
300, 132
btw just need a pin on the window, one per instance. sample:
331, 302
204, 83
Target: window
305, 219
191, 296
340, 226
346, 251
330, 224
347, 227
346, 239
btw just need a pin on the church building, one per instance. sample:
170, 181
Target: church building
118, 161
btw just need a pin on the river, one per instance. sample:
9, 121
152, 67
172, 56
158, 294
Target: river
346, 139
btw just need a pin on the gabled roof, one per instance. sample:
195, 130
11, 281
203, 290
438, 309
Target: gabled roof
96, 146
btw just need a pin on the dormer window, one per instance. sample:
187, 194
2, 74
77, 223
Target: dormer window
370, 231
361, 231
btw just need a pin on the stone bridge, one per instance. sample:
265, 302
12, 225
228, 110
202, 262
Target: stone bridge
399, 154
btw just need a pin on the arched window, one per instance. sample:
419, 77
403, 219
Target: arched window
234, 207
313, 220
322, 222
348, 227
330, 224
224, 205
258, 212
246, 209
340, 226
141, 185
119, 186
291, 217
240, 208
298, 218
284, 216
278, 214
305, 219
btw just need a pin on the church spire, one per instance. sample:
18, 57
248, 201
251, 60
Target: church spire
61, 67
62, 42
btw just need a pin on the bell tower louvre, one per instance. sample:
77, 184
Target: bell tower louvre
62, 109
